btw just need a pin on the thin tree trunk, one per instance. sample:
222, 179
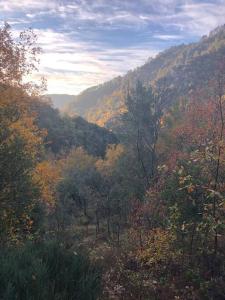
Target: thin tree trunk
218, 167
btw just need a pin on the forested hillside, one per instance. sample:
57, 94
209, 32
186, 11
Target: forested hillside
136, 214
65, 133
183, 69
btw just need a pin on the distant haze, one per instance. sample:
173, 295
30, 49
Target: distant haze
60, 100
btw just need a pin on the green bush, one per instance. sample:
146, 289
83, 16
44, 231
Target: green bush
47, 271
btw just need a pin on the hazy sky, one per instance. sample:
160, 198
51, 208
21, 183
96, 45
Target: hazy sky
87, 42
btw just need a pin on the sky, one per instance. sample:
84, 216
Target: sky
87, 42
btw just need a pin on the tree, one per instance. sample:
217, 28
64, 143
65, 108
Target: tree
142, 122
20, 138
77, 189
17, 59
113, 195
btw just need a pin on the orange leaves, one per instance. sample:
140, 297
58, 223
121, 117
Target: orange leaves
21, 140
47, 174
198, 124
29, 132
185, 181
190, 188
190, 128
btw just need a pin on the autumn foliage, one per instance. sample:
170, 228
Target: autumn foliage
145, 203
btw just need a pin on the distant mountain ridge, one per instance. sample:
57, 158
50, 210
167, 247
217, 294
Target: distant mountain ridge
184, 68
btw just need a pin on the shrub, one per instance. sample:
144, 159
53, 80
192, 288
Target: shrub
47, 271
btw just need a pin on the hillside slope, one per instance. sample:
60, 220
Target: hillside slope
65, 133
184, 68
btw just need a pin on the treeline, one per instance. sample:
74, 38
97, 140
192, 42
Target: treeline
134, 215
184, 68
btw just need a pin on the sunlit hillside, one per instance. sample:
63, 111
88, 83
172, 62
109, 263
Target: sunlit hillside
112, 170
183, 69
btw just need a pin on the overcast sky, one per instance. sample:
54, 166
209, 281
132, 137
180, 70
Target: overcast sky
87, 42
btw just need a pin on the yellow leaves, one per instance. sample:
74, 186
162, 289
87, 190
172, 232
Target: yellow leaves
47, 174
114, 152
20, 140
114, 105
78, 159
181, 180
122, 109
31, 135
185, 182
158, 247
19, 121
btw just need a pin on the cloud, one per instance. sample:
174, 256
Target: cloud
70, 65
86, 42
200, 18
167, 37
23, 5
